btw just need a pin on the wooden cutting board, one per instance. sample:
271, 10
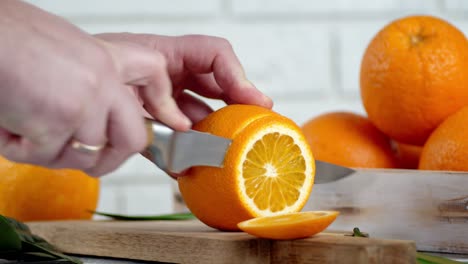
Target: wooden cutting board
193, 242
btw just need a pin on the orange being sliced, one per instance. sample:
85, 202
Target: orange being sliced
289, 226
268, 169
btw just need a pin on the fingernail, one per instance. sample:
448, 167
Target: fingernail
268, 101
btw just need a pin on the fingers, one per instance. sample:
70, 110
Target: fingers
193, 107
218, 57
157, 95
203, 84
125, 131
91, 132
147, 70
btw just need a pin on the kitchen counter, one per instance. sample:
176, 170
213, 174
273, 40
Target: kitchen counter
99, 260
95, 260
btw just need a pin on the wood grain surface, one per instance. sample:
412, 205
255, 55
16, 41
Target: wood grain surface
193, 242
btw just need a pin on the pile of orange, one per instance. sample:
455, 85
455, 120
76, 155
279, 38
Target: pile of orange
414, 83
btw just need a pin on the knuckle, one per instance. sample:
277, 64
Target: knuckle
160, 61
134, 144
219, 43
70, 115
139, 143
131, 142
89, 79
223, 44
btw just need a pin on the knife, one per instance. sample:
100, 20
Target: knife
175, 151
327, 172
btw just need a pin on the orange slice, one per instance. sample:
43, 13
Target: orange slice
289, 226
268, 169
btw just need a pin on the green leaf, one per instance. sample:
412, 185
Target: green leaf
31, 247
178, 216
40, 255
422, 258
9, 240
358, 233
17, 242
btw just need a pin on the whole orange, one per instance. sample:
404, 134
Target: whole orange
348, 139
447, 147
407, 155
414, 74
33, 193
268, 168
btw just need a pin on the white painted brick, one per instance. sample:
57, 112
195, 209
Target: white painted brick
461, 24
110, 200
258, 7
456, 5
136, 169
354, 38
285, 60
83, 8
148, 199
280, 59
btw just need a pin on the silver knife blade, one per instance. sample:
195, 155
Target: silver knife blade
176, 151
327, 172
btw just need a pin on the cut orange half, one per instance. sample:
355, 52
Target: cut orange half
268, 169
289, 226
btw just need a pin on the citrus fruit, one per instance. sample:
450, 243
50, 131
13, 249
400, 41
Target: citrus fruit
268, 168
414, 73
407, 155
447, 147
348, 139
33, 193
289, 226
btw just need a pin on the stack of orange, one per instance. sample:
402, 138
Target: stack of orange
414, 81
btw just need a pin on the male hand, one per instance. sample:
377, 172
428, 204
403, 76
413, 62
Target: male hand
64, 91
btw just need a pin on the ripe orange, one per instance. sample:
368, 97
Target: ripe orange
33, 193
268, 169
407, 155
414, 74
348, 139
289, 226
447, 147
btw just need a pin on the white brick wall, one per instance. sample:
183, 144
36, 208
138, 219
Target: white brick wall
331, 7
304, 54
126, 8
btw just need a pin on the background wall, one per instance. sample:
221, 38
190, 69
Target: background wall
304, 54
